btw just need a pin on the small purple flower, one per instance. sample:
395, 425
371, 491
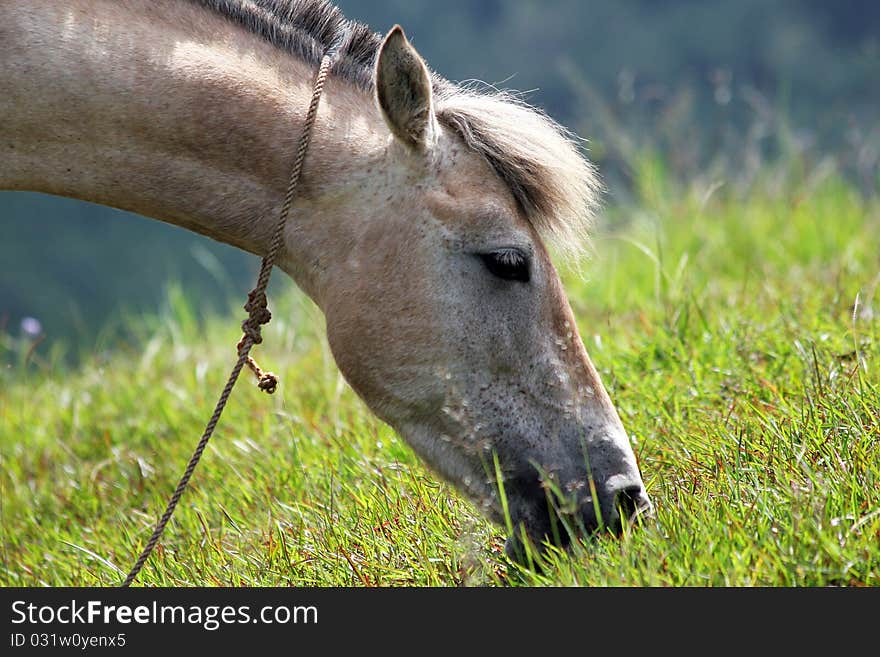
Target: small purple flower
31, 327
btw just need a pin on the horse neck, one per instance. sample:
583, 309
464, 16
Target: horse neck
167, 110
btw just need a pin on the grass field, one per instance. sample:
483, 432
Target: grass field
737, 332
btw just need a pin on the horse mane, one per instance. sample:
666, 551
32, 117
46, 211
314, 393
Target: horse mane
539, 160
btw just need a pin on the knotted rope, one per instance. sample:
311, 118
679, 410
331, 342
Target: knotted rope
258, 315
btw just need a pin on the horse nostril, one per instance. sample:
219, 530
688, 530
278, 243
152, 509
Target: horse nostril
632, 501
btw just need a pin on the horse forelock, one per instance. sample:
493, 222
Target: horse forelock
541, 162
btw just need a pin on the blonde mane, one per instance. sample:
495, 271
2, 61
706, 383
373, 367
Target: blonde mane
538, 159
541, 162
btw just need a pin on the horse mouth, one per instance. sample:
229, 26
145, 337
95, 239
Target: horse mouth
531, 536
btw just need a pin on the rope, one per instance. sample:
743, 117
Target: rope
258, 314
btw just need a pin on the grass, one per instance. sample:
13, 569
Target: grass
738, 334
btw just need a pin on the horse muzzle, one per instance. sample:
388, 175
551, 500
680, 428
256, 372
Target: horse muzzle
549, 519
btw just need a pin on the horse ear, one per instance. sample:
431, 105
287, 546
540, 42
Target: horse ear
403, 89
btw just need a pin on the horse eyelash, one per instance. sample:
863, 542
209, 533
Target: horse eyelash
509, 257
499, 260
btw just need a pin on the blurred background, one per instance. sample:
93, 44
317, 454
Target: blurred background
696, 92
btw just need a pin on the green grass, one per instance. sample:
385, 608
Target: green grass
738, 334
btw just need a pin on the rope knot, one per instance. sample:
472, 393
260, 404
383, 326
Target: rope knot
258, 314
268, 383
251, 330
257, 307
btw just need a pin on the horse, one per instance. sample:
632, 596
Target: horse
422, 227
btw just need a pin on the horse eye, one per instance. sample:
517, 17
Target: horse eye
509, 264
